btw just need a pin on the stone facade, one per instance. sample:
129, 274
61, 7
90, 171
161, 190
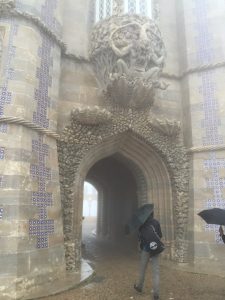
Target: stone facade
79, 93
32, 250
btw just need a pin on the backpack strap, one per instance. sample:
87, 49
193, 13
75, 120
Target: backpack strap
153, 228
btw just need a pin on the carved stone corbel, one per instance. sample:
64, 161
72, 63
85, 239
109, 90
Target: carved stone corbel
91, 115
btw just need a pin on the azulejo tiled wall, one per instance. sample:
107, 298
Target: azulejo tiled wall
41, 227
207, 120
216, 184
9, 52
29, 181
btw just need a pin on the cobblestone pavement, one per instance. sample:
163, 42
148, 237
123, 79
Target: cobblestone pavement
116, 271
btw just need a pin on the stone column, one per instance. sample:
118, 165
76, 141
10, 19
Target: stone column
203, 104
31, 233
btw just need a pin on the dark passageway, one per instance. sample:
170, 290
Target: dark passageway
117, 196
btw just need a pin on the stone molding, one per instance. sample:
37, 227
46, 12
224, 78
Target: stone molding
167, 127
91, 115
7, 5
11, 11
197, 69
28, 124
75, 58
8, 10
206, 148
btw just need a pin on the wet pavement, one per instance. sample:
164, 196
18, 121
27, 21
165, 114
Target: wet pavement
116, 268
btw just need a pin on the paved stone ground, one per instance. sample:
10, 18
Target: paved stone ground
116, 271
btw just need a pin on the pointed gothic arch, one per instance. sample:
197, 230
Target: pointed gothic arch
160, 158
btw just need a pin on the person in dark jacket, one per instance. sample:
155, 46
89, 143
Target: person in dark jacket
222, 233
145, 257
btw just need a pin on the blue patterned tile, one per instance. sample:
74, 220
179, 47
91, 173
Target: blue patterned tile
41, 227
216, 184
2, 153
8, 71
41, 94
205, 55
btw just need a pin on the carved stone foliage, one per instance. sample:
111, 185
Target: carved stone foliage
128, 55
168, 127
78, 139
91, 115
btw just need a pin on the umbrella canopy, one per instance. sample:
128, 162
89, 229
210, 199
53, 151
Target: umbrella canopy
213, 216
139, 217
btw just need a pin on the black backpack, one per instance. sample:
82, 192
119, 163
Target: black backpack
150, 240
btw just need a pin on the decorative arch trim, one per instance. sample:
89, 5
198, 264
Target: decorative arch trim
133, 135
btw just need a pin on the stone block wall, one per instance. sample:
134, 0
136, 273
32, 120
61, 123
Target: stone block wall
76, 26
78, 87
168, 102
31, 233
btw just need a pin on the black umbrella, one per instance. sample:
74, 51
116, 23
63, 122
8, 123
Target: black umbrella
139, 217
213, 216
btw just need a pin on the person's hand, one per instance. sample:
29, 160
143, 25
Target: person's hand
221, 230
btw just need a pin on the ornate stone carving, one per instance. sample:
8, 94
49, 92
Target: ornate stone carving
6, 5
131, 92
128, 50
91, 115
167, 127
78, 139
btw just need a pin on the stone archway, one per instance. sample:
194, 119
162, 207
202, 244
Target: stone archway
150, 173
127, 54
150, 146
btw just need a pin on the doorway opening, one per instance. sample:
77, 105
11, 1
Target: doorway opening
117, 201
90, 212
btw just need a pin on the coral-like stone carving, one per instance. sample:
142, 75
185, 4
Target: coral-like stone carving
168, 127
128, 56
91, 115
77, 140
131, 92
